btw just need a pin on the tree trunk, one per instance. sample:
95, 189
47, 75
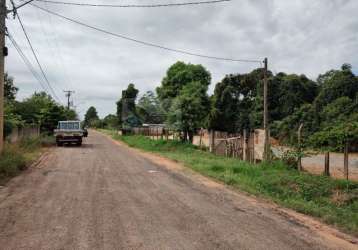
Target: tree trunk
185, 136
191, 136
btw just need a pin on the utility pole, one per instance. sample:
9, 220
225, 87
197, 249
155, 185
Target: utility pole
3, 12
266, 128
68, 95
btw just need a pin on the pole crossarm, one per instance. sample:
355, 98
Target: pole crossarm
15, 8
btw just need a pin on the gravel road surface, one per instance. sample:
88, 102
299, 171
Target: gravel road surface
104, 195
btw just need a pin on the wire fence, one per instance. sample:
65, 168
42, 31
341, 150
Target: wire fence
244, 146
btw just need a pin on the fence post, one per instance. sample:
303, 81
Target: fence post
253, 147
346, 146
299, 158
201, 137
326, 164
244, 146
212, 141
226, 148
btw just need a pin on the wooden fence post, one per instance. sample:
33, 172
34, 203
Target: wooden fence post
244, 146
212, 141
201, 137
346, 146
253, 147
299, 160
326, 164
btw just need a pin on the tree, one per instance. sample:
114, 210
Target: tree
110, 121
126, 107
189, 109
11, 119
51, 115
290, 92
177, 76
234, 102
32, 108
286, 129
149, 109
336, 84
90, 116
10, 90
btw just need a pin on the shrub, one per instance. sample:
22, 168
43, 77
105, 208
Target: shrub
12, 161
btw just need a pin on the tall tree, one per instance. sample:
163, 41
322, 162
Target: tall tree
189, 109
126, 107
10, 89
234, 102
110, 121
177, 76
90, 116
149, 109
335, 84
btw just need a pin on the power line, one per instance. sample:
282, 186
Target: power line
134, 5
55, 52
37, 60
143, 42
26, 61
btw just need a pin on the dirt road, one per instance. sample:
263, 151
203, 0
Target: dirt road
106, 196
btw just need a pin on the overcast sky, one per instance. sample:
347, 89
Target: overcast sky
301, 36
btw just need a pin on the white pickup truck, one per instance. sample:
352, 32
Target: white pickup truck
69, 132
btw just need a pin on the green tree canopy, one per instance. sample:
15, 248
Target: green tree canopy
149, 109
10, 90
234, 102
179, 75
126, 107
110, 121
336, 84
189, 109
90, 116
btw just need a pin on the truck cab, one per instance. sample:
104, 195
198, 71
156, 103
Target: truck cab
69, 132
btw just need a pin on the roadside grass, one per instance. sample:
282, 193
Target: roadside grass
333, 201
18, 156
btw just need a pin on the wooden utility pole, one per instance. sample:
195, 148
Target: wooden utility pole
266, 128
3, 12
68, 95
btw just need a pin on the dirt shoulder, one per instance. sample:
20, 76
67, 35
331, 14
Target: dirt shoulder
105, 195
327, 232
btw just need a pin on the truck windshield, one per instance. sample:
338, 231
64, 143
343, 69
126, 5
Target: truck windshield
70, 125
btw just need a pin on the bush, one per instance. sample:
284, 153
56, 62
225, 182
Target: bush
16, 157
12, 161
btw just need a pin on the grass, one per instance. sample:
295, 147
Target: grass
333, 201
17, 157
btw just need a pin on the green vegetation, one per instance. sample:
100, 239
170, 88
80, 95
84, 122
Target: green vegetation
126, 108
327, 107
39, 108
334, 201
91, 118
18, 156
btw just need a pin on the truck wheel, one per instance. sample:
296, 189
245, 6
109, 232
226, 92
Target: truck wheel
79, 143
59, 144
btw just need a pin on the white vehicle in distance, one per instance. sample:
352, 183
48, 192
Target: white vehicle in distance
69, 132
